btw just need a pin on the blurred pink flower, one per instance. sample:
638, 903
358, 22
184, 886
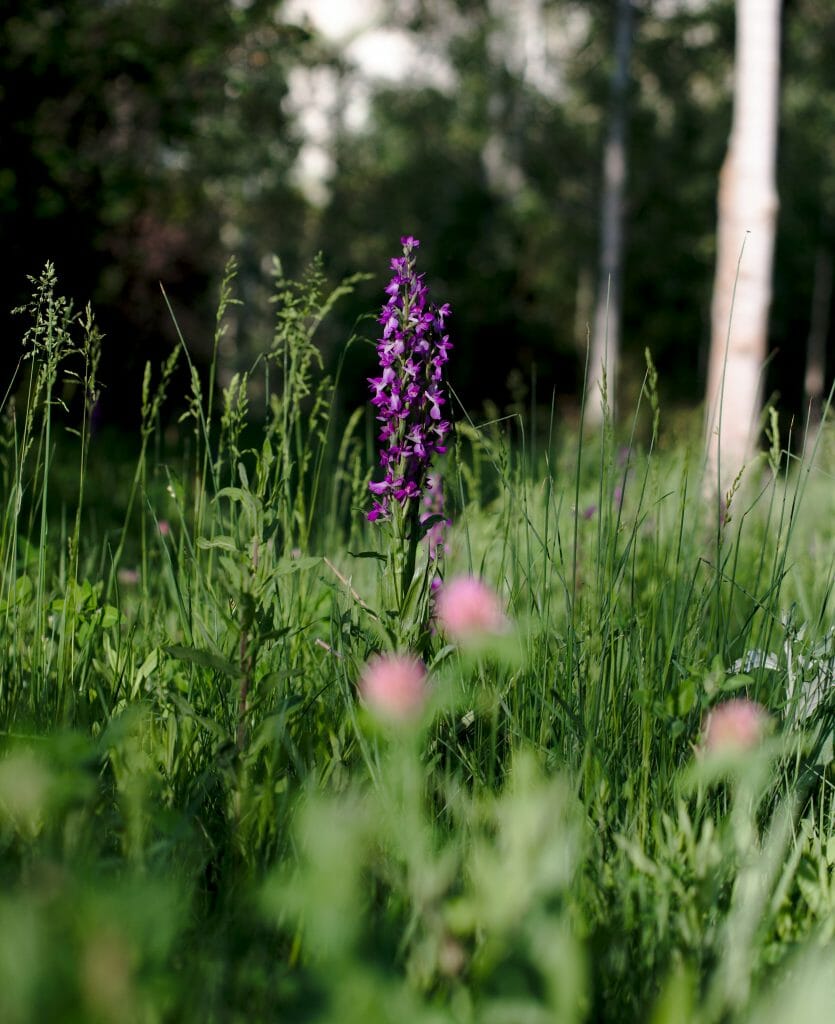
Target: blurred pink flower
466, 607
164, 527
128, 577
737, 724
394, 686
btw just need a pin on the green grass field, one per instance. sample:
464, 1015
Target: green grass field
203, 819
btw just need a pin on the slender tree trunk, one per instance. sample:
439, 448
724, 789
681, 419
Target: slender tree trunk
814, 381
747, 211
605, 339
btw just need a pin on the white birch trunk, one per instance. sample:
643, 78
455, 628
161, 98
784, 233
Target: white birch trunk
747, 210
605, 338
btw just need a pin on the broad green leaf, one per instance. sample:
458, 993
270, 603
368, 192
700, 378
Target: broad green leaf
110, 616
21, 592
145, 670
736, 682
205, 659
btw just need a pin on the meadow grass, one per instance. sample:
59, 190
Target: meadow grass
201, 820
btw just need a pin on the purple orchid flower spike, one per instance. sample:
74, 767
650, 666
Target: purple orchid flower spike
409, 394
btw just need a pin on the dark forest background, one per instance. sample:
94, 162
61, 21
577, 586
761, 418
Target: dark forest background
146, 141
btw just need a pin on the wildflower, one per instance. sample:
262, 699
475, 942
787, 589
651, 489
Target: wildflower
467, 608
409, 393
128, 577
394, 687
735, 725
164, 527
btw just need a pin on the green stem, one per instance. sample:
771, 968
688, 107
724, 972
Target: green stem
412, 527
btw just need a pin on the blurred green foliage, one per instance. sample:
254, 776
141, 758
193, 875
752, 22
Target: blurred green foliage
147, 140
132, 132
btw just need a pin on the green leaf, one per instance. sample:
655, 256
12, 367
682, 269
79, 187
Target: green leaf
274, 679
20, 593
205, 659
224, 543
368, 554
735, 683
687, 695
809, 883
243, 496
234, 576
189, 711
287, 566
145, 670
110, 616
289, 706
443, 654
275, 634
